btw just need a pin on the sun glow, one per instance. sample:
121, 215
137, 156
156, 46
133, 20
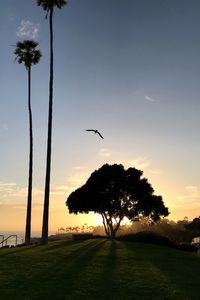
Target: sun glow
98, 219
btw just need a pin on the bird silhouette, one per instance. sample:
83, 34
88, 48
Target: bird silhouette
95, 131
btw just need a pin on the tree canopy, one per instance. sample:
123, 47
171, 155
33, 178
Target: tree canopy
116, 193
27, 53
50, 4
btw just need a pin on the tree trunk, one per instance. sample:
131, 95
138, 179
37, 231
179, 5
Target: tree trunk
113, 233
49, 137
105, 224
29, 200
110, 229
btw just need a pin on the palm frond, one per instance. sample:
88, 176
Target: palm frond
47, 5
27, 53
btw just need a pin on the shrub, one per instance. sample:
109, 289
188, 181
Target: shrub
157, 239
187, 247
21, 245
6, 246
147, 237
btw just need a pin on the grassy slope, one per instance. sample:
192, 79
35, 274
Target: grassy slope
98, 269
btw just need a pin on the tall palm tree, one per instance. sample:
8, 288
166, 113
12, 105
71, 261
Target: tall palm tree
27, 53
48, 6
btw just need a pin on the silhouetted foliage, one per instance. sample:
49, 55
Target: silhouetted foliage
48, 6
174, 231
116, 193
147, 237
187, 247
27, 53
194, 226
150, 237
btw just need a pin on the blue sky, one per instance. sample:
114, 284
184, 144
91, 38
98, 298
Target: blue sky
128, 68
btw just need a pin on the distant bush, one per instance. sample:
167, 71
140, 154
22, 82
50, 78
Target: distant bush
35, 242
81, 236
187, 247
147, 237
21, 245
175, 231
98, 236
6, 246
157, 239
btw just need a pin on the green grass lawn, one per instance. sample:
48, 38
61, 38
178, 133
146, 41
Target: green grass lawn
98, 269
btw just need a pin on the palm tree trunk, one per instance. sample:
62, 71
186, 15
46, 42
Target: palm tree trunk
29, 200
49, 137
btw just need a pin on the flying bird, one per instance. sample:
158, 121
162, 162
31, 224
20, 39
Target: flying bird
95, 131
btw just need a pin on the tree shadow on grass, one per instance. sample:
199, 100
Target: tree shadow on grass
57, 244
156, 263
52, 246
182, 270
117, 280
107, 278
16, 250
37, 247
95, 274
58, 279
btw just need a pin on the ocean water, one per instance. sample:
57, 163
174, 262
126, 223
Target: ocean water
13, 240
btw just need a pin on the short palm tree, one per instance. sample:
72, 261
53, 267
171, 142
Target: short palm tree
48, 6
27, 53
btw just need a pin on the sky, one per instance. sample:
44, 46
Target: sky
130, 69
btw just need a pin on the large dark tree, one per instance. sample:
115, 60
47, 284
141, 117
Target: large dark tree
48, 6
116, 193
27, 53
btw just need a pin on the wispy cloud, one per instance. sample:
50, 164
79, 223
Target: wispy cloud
155, 171
11, 189
7, 187
77, 178
60, 190
22, 192
28, 30
105, 152
78, 168
3, 127
191, 189
150, 99
190, 197
37, 206
11, 16
193, 193
139, 162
